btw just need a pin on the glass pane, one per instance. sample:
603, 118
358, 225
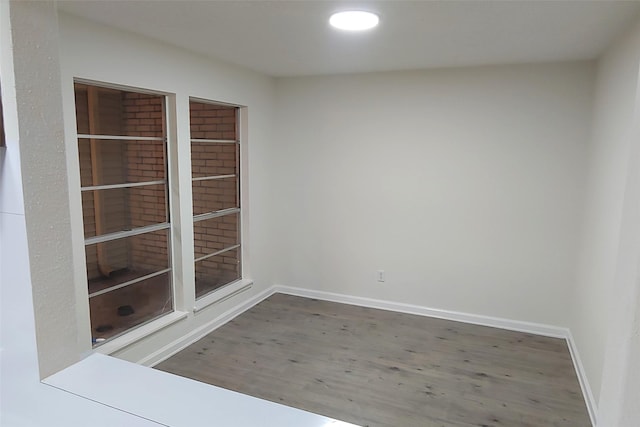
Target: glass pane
213, 159
123, 209
120, 162
215, 272
212, 121
215, 194
105, 111
215, 234
114, 312
121, 260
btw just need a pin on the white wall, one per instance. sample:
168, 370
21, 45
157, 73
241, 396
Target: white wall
609, 152
606, 310
24, 400
103, 54
464, 185
36, 82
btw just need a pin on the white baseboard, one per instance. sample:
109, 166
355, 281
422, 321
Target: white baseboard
592, 405
196, 334
495, 322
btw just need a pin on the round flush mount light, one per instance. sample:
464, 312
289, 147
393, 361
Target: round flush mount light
354, 20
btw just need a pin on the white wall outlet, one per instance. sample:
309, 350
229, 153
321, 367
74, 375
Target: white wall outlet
381, 276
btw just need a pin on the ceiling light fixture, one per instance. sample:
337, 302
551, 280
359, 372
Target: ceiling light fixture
354, 20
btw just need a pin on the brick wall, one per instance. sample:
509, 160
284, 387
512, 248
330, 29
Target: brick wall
212, 121
110, 156
124, 114
144, 116
217, 122
215, 234
210, 159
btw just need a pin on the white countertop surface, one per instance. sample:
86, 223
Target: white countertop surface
170, 400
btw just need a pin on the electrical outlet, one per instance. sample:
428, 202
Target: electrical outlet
381, 276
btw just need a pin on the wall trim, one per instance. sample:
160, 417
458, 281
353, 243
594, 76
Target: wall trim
476, 319
592, 405
495, 322
184, 341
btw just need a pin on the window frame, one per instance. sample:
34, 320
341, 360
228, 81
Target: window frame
144, 328
3, 142
219, 292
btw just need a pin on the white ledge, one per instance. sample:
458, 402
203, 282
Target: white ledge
223, 294
175, 401
111, 346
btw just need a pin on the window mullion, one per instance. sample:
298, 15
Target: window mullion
126, 233
120, 137
126, 185
206, 178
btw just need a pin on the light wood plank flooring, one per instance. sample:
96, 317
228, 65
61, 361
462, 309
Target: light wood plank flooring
380, 368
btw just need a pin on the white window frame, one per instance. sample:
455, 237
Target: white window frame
157, 323
228, 290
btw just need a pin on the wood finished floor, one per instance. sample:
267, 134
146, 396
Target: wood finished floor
380, 368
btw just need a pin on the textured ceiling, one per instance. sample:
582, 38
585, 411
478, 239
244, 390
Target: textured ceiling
288, 38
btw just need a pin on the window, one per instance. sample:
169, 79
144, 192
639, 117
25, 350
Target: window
215, 159
123, 174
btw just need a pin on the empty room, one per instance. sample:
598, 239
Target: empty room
267, 213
